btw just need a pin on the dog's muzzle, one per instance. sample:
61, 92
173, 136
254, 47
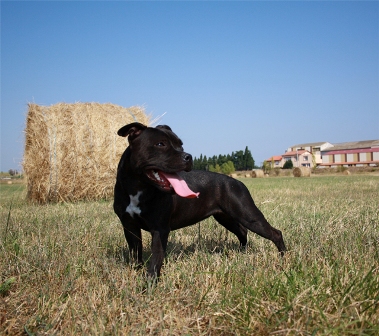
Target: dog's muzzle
171, 181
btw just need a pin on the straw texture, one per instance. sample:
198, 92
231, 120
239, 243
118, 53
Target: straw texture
258, 173
72, 150
301, 172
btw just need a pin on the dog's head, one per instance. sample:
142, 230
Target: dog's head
157, 153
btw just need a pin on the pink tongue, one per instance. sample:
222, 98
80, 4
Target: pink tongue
180, 186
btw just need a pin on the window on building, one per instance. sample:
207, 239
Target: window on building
305, 158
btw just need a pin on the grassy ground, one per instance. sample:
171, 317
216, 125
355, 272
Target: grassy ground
64, 270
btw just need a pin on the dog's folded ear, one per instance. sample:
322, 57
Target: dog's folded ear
132, 130
164, 127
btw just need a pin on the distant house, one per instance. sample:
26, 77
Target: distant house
325, 154
358, 153
275, 161
299, 158
315, 148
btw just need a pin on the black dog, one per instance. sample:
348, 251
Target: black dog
153, 193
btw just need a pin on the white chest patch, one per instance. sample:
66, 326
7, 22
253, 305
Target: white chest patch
133, 208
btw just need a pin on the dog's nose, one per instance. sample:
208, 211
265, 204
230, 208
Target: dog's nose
187, 157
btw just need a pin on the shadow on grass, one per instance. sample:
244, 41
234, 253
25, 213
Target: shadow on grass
176, 249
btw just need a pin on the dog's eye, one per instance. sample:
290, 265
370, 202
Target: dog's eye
160, 144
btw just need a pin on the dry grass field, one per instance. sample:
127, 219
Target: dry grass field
64, 268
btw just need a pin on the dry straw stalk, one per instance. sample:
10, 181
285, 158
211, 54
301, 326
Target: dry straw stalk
72, 150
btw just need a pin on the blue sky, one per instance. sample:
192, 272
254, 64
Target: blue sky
266, 75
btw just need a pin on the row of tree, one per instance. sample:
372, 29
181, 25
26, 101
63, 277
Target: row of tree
226, 164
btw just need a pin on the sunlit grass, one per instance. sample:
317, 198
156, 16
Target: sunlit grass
64, 268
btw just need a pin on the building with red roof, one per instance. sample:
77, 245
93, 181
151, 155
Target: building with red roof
325, 154
358, 153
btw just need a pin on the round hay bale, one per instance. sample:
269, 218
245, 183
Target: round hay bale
72, 150
301, 172
233, 175
9, 182
247, 175
257, 173
267, 175
346, 172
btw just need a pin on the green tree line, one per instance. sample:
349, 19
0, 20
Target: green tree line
226, 164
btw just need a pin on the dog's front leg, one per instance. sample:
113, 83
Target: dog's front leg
158, 248
134, 239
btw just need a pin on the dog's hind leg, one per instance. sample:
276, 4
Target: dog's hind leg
233, 226
243, 210
256, 222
